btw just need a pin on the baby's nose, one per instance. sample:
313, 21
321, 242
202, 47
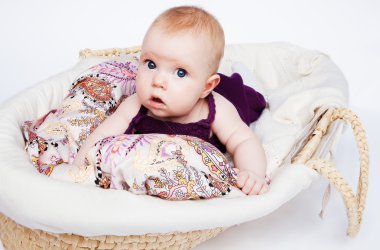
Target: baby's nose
159, 82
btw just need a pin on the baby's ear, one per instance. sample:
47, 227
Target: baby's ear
211, 83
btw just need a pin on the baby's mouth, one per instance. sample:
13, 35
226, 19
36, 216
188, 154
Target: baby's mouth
156, 99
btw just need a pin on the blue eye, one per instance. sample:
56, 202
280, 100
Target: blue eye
181, 73
151, 64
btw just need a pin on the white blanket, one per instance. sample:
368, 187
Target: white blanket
296, 82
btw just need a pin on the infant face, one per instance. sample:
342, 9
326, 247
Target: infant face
173, 72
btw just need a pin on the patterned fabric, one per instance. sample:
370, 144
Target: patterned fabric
172, 167
56, 137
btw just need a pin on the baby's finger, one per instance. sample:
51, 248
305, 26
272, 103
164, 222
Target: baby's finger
242, 178
255, 188
248, 186
264, 189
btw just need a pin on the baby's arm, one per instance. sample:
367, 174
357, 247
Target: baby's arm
115, 124
243, 145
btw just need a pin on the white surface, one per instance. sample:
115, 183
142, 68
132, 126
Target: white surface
40, 38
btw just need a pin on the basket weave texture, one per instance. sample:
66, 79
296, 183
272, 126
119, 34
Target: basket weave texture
17, 237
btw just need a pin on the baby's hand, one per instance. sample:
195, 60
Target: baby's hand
250, 183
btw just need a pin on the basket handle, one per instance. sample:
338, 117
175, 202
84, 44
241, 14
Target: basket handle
355, 204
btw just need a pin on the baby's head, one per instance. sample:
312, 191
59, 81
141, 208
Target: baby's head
180, 55
198, 23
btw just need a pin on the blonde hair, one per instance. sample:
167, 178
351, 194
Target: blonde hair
196, 20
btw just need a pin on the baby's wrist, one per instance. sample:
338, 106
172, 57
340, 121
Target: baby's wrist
261, 176
255, 172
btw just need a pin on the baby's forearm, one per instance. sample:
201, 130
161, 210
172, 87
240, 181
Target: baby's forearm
116, 124
249, 155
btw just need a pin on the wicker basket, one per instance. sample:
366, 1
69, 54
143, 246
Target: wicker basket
15, 236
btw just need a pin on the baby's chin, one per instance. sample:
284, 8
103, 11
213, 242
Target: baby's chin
158, 113
166, 116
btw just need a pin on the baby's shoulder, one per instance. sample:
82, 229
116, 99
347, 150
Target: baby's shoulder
221, 102
130, 105
131, 100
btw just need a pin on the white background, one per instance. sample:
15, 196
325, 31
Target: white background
40, 38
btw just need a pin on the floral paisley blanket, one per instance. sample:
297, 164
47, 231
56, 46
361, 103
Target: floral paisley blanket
56, 137
170, 167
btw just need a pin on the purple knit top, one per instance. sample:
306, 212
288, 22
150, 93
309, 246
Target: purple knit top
248, 102
145, 124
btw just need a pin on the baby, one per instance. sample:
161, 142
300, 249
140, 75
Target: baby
180, 55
